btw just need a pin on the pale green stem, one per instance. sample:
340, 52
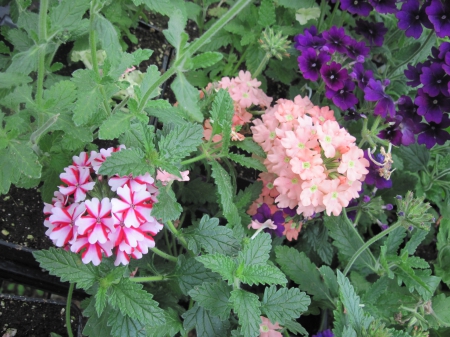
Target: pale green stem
175, 232
368, 243
194, 159
43, 8
34, 138
68, 304
262, 65
164, 255
149, 278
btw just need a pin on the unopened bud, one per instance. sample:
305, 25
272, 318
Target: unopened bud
388, 207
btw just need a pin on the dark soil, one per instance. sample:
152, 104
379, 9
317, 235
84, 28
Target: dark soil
35, 318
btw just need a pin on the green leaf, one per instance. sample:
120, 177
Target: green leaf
8, 80
180, 141
222, 112
256, 252
150, 77
248, 162
378, 288
247, 307
221, 264
245, 198
261, 274
266, 13
302, 271
295, 328
125, 326
8, 173
68, 266
250, 146
109, 40
174, 33
417, 237
191, 273
284, 304
167, 208
347, 240
100, 300
24, 159
139, 135
170, 328
441, 314
303, 15
206, 59
329, 278
115, 125
25, 62
212, 237
96, 326
296, 4
164, 7
317, 238
140, 55
135, 302
125, 162
206, 324
415, 157
67, 15
187, 96
394, 240
213, 297
174, 115
222, 180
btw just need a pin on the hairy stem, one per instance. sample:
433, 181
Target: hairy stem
164, 255
262, 65
177, 234
149, 278
43, 8
68, 304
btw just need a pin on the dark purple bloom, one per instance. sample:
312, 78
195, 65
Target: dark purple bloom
372, 31
384, 6
374, 92
439, 15
434, 133
336, 39
410, 119
443, 49
333, 75
352, 115
431, 108
263, 214
357, 49
410, 18
373, 177
434, 80
393, 133
290, 211
352, 214
446, 65
325, 333
361, 75
310, 63
359, 7
310, 39
413, 74
342, 98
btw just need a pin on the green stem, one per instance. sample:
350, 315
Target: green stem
323, 6
241, 59
164, 255
43, 8
262, 65
68, 304
368, 243
149, 278
336, 6
177, 234
194, 159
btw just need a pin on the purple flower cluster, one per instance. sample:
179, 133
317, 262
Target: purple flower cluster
263, 214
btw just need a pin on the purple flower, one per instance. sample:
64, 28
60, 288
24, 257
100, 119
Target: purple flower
410, 18
410, 119
384, 6
374, 92
433, 133
310, 63
361, 75
373, 177
372, 31
431, 108
356, 49
342, 98
325, 333
434, 80
443, 49
263, 214
310, 39
439, 15
359, 7
352, 115
333, 75
393, 133
413, 74
446, 65
336, 39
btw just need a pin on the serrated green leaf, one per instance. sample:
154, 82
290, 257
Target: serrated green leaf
180, 141
284, 304
125, 326
256, 252
192, 273
23, 159
417, 237
222, 112
213, 297
158, 104
295, 328
67, 15
415, 157
248, 162
164, 7
109, 40
135, 302
115, 125
175, 31
174, 115
247, 307
125, 162
97, 326
394, 240
8, 80
167, 208
302, 271
68, 266
25, 62
100, 300
140, 55
170, 328
221, 264
150, 77
212, 237
317, 238
8, 174
60, 96
139, 135
222, 180
206, 59
303, 15
187, 97
441, 314
206, 324
266, 13
261, 274
329, 278
245, 198
376, 290
250, 146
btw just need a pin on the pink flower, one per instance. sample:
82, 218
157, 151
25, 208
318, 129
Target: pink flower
334, 197
82, 161
91, 252
63, 220
207, 132
77, 179
292, 229
353, 164
255, 224
166, 177
133, 182
134, 204
97, 159
267, 329
98, 223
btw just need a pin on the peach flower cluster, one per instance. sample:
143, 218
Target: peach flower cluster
317, 165
245, 92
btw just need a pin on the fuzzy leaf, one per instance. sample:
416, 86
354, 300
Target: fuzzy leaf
284, 304
150, 77
247, 307
135, 302
222, 180
415, 157
96, 326
248, 162
164, 7
108, 38
67, 15
140, 135
68, 266
180, 141
261, 274
221, 264
417, 237
8, 80
266, 13
192, 273
222, 112
256, 251
250, 146
213, 297
212, 237
187, 97
206, 324
125, 162
115, 125
25, 62
167, 208
100, 300
174, 34
317, 238
245, 198
170, 328
23, 159
140, 55
440, 305
206, 59
125, 326
394, 240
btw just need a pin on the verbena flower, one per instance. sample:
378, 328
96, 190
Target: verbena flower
310, 63
344, 97
267, 329
434, 133
359, 7
264, 213
413, 73
374, 92
373, 32
439, 15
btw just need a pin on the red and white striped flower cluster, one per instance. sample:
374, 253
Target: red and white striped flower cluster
122, 225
